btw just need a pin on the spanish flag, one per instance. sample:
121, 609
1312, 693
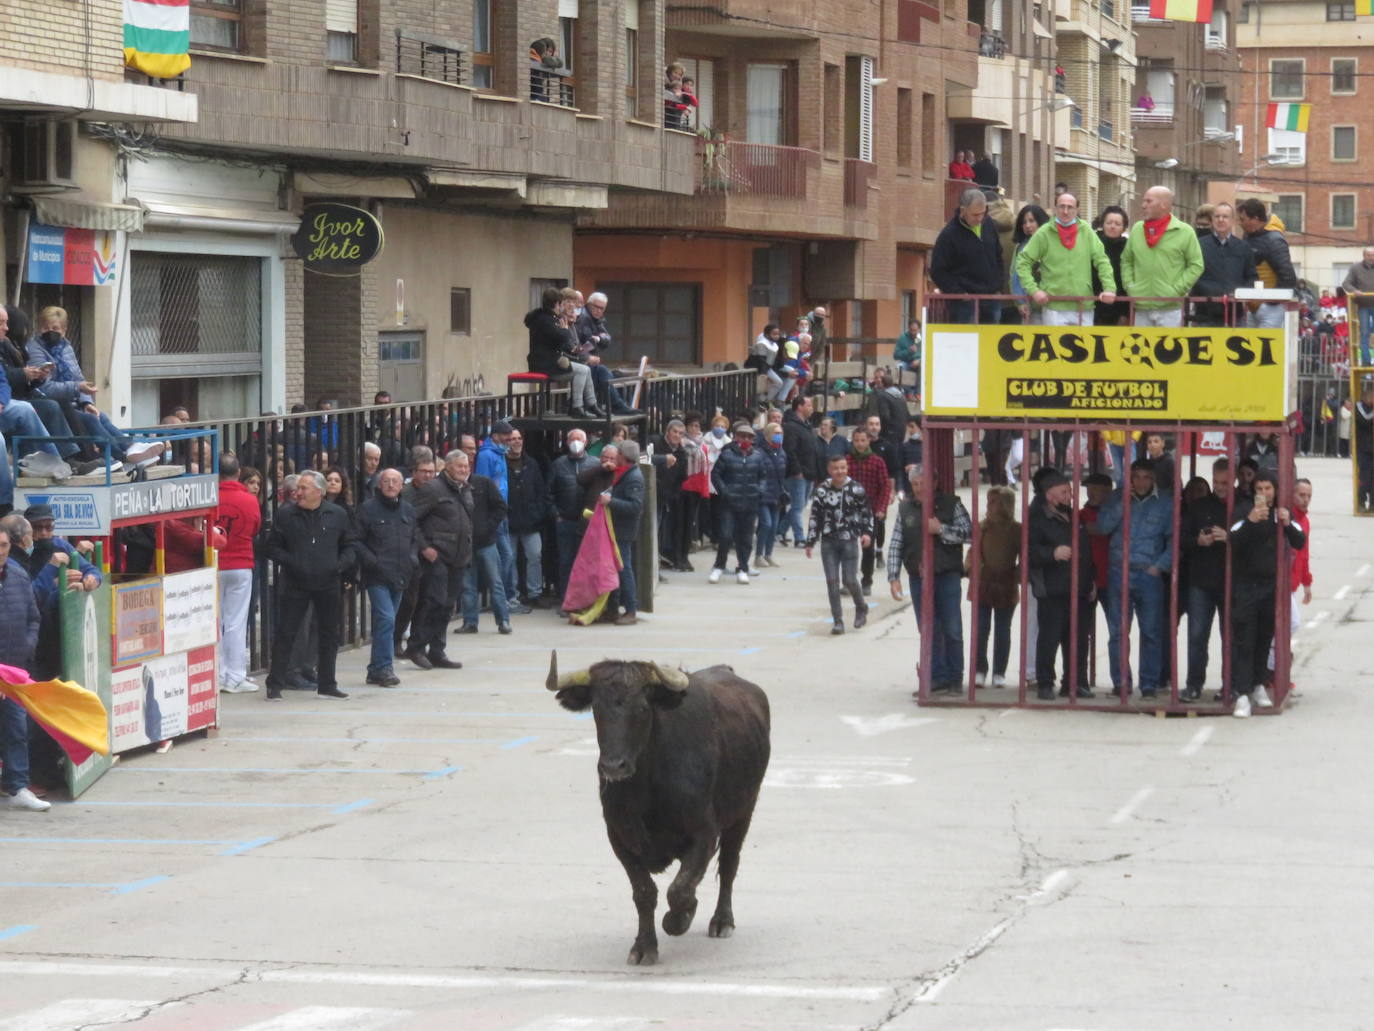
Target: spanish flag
75, 718
157, 37
1181, 10
1294, 117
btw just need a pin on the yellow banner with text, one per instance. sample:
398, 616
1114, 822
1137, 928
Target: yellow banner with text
1105, 373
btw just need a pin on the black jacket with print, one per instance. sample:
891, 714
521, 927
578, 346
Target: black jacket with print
841, 512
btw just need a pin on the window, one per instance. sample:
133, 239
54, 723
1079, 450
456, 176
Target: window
216, 24
1289, 209
195, 314
765, 120
1244, 17
1343, 146
482, 58
1340, 12
632, 59
834, 127
341, 31
460, 310
904, 127
1342, 211
702, 72
858, 107
1288, 147
1285, 79
660, 320
1343, 74
928, 126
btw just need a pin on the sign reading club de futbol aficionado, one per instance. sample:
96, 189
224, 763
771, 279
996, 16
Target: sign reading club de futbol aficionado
1106, 373
337, 239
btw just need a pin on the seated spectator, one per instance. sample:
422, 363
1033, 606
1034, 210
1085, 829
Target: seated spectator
959, 168
553, 345
907, 354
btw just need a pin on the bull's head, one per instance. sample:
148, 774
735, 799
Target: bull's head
622, 697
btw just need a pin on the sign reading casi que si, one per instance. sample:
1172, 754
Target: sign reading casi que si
1105, 372
337, 239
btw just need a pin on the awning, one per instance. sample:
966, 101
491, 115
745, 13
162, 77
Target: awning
220, 220
82, 214
1040, 30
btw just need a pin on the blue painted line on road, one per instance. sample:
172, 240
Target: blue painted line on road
352, 807
239, 848
132, 886
518, 742
440, 773
750, 651
798, 633
124, 888
16, 931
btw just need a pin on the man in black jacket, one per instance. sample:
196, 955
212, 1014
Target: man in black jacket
806, 461
1058, 587
626, 502
967, 259
1273, 263
312, 543
670, 467
1227, 263
1254, 572
444, 510
565, 497
389, 557
738, 477
528, 502
421, 463
1204, 543
488, 510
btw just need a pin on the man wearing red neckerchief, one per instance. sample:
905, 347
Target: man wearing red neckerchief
1058, 261
1161, 262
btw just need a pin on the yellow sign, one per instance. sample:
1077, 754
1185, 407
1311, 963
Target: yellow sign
1105, 373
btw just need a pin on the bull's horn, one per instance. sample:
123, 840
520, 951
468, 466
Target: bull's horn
674, 679
581, 678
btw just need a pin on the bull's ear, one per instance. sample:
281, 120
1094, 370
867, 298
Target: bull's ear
575, 699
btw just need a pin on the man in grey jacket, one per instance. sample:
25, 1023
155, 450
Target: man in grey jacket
1359, 287
443, 512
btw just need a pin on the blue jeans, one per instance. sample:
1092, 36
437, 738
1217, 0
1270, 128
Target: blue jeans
14, 745
628, 594
768, 526
1203, 605
568, 533
531, 545
100, 427
962, 312
1366, 329
486, 563
507, 552
1118, 453
1145, 599
610, 396
798, 491
383, 601
18, 419
947, 628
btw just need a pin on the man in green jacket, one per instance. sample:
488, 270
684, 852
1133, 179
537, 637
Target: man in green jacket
1161, 262
1066, 251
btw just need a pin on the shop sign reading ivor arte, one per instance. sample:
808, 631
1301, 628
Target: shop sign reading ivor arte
1105, 373
337, 239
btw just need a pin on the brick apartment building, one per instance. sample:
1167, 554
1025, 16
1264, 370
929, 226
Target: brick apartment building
1318, 183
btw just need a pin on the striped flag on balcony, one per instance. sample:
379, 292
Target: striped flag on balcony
1293, 117
1181, 10
1364, 8
157, 37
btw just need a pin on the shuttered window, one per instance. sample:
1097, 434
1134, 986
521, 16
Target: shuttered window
866, 109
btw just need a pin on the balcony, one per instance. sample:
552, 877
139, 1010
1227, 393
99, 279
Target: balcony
429, 57
991, 44
727, 166
858, 176
550, 85
1217, 44
1141, 13
1160, 114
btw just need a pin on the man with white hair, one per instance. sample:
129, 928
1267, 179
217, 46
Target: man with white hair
592, 338
366, 479
1161, 262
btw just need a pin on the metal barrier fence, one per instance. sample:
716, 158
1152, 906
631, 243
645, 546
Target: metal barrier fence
279, 445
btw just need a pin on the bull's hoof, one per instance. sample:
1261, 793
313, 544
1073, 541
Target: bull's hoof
676, 921
642, 955
721, 927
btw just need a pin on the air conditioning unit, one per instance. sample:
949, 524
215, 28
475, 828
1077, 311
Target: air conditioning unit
41, 156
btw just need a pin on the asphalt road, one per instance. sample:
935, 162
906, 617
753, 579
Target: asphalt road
433, 856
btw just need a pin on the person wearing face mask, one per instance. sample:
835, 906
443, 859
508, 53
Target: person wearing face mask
1059, 261
565, 496
670, 468
1061, 576
738, 476
770, 503
491, 463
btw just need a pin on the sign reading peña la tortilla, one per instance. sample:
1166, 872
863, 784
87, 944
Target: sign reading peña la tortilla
337, 239
1106, 372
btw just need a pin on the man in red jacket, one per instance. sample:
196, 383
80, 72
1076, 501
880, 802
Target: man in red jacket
239, 519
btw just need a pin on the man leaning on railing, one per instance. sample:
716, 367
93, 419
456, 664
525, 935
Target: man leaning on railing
1161, 261
1059, 260
967, 259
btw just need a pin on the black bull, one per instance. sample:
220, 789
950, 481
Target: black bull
682, 759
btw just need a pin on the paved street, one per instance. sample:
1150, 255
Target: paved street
434, 857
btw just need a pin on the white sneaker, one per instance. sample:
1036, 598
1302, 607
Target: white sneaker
144, 451
244, 686
1261, 697
742, 577
713, 577
999, 681
1242, 709
981, 680
26, 799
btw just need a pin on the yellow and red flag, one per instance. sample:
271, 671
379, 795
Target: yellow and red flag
1181, 10
75, 718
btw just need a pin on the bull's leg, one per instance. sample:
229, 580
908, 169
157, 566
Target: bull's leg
731, 841
682, 893
644, 952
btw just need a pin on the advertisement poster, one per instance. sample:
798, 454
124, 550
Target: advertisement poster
137, 621
190, 617
149, 702
75, 257
85, 627
202, 689
1106, 372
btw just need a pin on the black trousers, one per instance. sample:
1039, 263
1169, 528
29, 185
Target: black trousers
737, 528
1252, 631
321, 605
1052, 639
873, 554
405, 611
440, 585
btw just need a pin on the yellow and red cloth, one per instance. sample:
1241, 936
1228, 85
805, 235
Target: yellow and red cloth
74, 717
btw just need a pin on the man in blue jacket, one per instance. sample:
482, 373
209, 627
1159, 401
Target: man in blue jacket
18, 639
1149, 558
491, 463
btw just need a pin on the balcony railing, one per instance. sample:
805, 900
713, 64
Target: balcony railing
857, 177
1217, 43
1211, 132
991, 44
550, 85
1104, 130
1160, 114
1141, 12
727, 166
430, 57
